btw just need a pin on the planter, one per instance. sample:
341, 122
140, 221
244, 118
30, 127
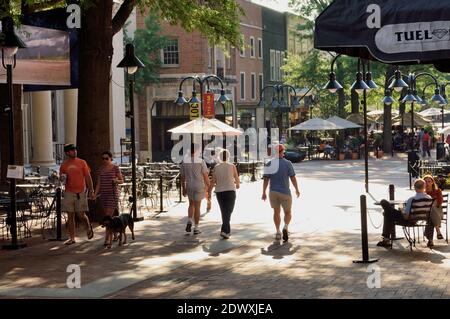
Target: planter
341, 156
354, 156
380, 154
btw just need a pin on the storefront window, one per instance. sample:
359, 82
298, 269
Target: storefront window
246, 118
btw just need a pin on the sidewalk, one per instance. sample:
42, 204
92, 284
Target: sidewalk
316, 262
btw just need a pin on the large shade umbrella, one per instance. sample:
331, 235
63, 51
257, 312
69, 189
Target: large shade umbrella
316, 124
432, 111
206, 126
359, 119
377, 113
394, 32
418, 120
343, 123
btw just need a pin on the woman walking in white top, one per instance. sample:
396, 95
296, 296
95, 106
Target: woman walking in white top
226, 180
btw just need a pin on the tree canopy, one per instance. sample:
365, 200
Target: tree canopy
217, 20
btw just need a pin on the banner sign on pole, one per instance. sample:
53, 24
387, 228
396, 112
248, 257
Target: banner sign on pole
208, 105
194, 111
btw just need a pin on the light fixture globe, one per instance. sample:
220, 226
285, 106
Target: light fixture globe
130, 61
274, 103
388, 100
370, 82
397, 83
180, 100
409, 98
359, 85
437, 97
223, 98
332, 84
194, 98
295, 102
417, 97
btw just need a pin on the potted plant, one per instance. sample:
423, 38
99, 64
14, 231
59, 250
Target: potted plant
354, 147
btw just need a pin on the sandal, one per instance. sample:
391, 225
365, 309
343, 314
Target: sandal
384, 243
90, 234
69, 242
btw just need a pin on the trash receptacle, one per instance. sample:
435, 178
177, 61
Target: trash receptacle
440, 151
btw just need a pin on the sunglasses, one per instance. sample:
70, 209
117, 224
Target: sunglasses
105, 158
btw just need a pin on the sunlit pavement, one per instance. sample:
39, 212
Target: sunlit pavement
316, 262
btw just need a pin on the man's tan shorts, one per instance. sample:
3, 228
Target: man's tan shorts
279, 199
72, 204
196, 195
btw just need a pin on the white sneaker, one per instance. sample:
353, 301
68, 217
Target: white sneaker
224, 235
278, 236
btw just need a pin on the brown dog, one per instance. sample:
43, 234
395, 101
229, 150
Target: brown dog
118, 224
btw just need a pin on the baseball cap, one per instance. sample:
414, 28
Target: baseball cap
69, 147
280, 148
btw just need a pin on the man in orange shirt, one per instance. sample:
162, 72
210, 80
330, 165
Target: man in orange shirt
77, 176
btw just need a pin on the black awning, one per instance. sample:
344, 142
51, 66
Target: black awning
390, 31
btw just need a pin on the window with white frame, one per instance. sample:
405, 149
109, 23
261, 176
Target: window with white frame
260, 48
171, 54
242, 86
261, 83
282, 63
253, 80
242, 48
272, 65
252, 47
277, 65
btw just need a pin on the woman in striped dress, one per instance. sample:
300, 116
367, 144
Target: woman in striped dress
109, 176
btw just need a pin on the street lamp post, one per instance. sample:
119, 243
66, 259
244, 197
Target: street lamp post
9, 44
443, 86
131, 63
278, 101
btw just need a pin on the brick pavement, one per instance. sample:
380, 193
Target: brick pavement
316, 262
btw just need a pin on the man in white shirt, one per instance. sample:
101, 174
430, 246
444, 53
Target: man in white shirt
392, 215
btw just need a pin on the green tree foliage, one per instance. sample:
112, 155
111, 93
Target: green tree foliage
148, 43
218, 20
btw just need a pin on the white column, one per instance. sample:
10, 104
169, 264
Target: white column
41, 120
70, 116
117, 98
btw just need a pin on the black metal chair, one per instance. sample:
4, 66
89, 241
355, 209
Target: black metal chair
419, 217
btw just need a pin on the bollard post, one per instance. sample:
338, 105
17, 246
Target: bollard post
180, 200
161, 193
253, 172
58, 215
391, 192
364, 236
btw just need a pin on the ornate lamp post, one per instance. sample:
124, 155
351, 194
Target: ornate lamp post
9, 44
131, 63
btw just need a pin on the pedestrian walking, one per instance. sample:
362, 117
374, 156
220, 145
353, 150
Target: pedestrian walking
194, 184
279, 192
106, 190
76, 174
426, 144
225, 179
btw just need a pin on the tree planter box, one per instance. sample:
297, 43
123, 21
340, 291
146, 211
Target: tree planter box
354, 156
341, 156
380, 154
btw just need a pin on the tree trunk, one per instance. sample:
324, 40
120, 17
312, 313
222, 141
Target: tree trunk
18, 129
341, 103
387, 118
93, 126
355, 102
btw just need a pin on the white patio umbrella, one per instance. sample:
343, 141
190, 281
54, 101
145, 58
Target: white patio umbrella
380, 112
445, 130
206, 126
433, 111
342, 122
316, 124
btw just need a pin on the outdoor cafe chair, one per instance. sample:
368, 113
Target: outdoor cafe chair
419, 217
